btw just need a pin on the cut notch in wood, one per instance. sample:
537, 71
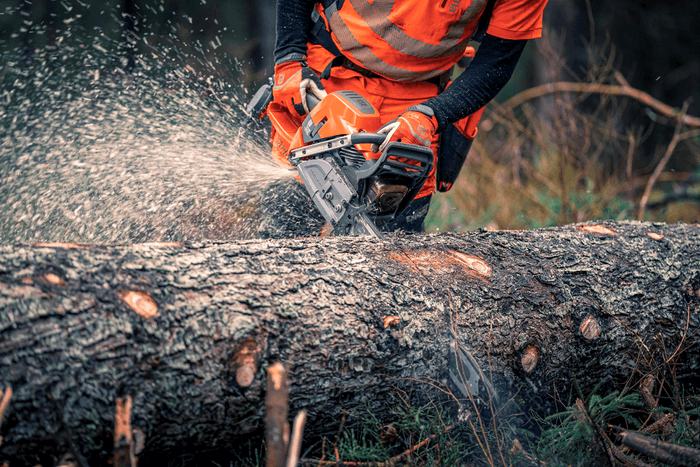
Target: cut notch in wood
597, 229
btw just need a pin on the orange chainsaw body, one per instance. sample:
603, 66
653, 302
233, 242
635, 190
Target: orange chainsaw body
339, 113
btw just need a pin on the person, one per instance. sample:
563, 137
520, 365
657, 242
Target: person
399, 55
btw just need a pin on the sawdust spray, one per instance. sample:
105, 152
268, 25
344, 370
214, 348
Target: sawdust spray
91, 153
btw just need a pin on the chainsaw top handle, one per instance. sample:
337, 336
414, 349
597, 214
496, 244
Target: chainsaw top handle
404, 157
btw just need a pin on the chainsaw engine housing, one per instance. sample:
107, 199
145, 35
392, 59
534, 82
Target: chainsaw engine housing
340, 113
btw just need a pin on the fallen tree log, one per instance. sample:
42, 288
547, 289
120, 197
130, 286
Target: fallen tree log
187, 331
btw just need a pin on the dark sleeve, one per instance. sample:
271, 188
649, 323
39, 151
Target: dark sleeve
293, 23
488, 72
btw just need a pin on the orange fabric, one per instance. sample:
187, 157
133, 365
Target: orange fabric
414, 40
389, 98
415, 128
319, 58
517, 19
409, 51
287, 82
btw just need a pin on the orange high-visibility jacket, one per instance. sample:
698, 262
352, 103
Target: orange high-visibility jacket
415, 40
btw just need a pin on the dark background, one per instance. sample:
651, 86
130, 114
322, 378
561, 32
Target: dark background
657, 43
654, 45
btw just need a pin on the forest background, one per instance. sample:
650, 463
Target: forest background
547, 159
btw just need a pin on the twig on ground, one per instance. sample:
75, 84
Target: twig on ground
295, 442
336, 452
659, 424
388, 463
605, 89
665, 452
5, 402
662, 163
600, 436
276, 407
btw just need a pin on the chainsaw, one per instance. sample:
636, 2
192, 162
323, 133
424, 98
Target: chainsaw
354, 189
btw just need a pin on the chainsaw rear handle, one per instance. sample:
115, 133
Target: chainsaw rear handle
262, 98
258, 104
311, 101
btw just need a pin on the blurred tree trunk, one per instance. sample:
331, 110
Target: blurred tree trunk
26, 22
129, 32
188, 331
264, 28
653, 44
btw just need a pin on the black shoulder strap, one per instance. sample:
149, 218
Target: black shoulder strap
484, 22
319, 34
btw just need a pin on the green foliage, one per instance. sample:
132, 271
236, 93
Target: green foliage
571, 437
249, 454
367, 439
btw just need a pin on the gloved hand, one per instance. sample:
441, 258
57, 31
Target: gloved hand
292, 81
416, 126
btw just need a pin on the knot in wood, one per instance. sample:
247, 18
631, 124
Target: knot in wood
246, 357
390, 321
245, 375
590, 328
140, 302
529, 359
474, 263
53, 279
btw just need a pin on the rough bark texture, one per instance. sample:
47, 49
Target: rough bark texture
189, 331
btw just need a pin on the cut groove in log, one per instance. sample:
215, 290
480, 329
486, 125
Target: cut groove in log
597, 229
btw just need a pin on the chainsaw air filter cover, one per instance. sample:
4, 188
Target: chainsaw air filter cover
340, 113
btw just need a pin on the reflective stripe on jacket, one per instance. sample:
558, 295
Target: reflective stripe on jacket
403, 40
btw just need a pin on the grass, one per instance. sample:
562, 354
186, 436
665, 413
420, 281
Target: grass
553, 159
420, 436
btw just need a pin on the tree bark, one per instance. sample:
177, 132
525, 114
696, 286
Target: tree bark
188, 331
